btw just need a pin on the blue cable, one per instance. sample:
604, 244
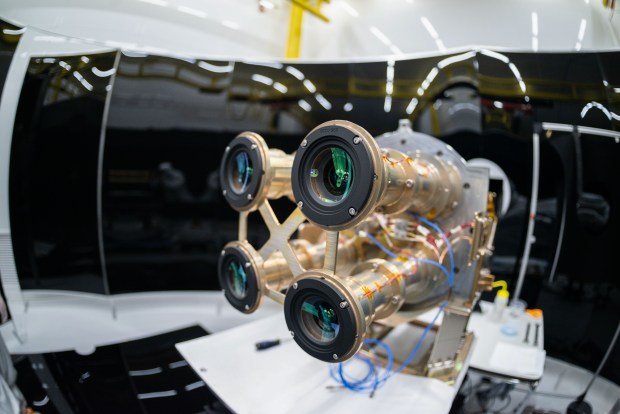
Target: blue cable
431, 262
443, 236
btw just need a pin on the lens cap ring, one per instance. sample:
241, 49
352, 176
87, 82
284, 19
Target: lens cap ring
241, 254
256, 153
345, 343
361, 149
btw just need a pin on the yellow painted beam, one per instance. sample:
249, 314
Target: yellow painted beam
294, 31
316, 10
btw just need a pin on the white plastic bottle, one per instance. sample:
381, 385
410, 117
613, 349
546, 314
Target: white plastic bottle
500, 304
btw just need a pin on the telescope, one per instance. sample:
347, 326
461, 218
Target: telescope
387, 229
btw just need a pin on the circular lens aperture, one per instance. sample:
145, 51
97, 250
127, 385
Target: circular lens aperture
240, 171
331, 175
237, 279
319, 319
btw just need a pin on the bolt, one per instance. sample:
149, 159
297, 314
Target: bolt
292, 333
335, 356
343, 304
395, 300
247, 307
248, 264
223, 253
304, 143
357, 140
227, 149
374, 177
300, 204
249, 196
352, 211
253, 146
295, 285
409, 183
224, 192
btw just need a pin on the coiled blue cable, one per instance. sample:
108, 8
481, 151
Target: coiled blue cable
443, 236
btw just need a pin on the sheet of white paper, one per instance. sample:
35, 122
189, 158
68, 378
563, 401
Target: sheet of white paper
517, 358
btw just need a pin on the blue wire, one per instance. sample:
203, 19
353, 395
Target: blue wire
443, 236
431, 262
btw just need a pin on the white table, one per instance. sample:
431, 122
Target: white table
505, 355
284, 379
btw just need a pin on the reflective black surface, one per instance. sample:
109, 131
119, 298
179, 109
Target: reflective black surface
164, 219
9, 38
54, 173
143, 376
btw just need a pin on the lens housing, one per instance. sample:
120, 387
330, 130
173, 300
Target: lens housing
337, 175
239, 273
323, 317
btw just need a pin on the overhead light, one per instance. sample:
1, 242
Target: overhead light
279, 87
262, 79
14, 32
230, 24
85, 59
216, 68
582, 29
440, 45
411, 106
193, 12
389, 88
309, 85
83, 81
64, 65
453, 59
266, 4
535, 44
498, 104
275, 65
49, 60
514, 70
429, 27
420, 91
348, 107
103, 73
51, 39
522, 86
387, 104
324, 102
304, 105
349, 9
534, 23
395, 50
495, 55
295, 72
161, 3
578, 46
379, 35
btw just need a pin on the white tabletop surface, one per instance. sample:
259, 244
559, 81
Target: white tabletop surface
507, 355
284, 379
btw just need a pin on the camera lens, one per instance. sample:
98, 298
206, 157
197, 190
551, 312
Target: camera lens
237, 279
240, 171
319, 319
331, 174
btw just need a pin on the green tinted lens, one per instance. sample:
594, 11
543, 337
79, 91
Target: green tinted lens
319, 319
237, 279
331, 175
241, 173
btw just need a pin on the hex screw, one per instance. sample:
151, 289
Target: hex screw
352, 211
292, 333
227, 149
248, 264
295, 285
247, 307
300, 204
223, 253
344, 304
335, 356
253, 146
409, 183
304, 143
249, 196
357, 140
224, 192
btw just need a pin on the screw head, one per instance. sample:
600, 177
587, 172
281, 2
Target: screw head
249, 196
292, 333
253, 146
223, 253
227, 149
344, 304
409, 183
304, 143
357, 140
295, 285
248, 264
352, 211
224, 192
247, 307
335, 356
300, 204
395, 300
374, 177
